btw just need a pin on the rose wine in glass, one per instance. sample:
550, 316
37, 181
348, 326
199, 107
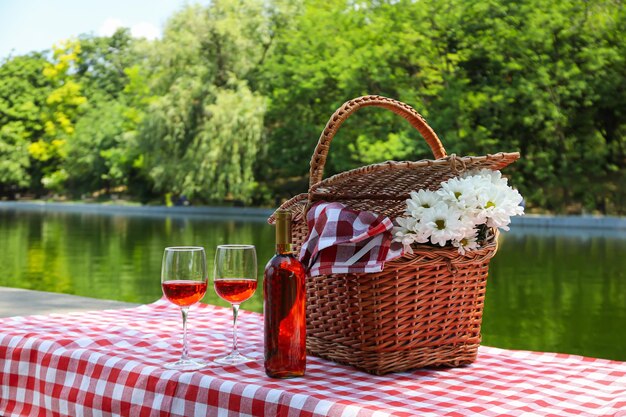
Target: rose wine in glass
184, 293
235, 281
235, 291
184, 282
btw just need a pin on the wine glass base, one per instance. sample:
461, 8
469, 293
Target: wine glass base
233, 359
185, 365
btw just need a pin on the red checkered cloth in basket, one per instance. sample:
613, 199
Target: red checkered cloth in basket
343, 240
109, 363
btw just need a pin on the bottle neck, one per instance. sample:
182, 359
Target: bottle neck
283, 232
283, 249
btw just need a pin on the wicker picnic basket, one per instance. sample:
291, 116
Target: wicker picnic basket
423, 309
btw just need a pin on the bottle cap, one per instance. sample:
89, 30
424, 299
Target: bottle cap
283, 227
282, 214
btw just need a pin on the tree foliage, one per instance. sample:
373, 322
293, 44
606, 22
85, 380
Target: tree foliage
229, 103
103, 152
23, 92
202, 133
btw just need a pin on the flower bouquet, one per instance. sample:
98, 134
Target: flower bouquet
461, 212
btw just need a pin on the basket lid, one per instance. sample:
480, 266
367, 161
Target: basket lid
384, 187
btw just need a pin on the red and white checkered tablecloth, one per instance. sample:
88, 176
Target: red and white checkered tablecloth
108, 363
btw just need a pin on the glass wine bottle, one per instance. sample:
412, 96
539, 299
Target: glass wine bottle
284, 305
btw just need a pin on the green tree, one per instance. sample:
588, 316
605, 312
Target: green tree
104, 61
63, 105
527, 78
103, 152
23, 93
200, 135
331, 52
230, 103
540, 77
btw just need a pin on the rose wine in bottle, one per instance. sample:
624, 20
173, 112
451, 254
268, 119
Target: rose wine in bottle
284, 305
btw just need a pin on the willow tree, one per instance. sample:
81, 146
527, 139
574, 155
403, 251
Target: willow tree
201, 134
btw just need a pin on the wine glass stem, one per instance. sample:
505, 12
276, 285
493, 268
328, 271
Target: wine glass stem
235, 314
184, 311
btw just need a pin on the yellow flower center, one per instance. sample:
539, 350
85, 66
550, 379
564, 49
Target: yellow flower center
441, 224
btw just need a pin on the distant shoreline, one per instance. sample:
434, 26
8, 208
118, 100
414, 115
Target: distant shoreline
261, 214
252, 213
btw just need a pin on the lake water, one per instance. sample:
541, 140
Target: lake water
558, 290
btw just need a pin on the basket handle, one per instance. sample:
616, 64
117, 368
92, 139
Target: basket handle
318, 160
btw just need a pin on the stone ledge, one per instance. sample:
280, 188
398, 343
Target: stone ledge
20, 302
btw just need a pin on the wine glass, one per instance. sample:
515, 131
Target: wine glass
235, 281
184, 282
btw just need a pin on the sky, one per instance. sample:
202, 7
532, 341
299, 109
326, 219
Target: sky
35, 25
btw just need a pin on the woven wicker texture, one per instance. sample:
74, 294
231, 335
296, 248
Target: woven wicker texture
423, 309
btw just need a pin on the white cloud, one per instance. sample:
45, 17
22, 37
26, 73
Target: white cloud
145, 30
138, 30
109, 26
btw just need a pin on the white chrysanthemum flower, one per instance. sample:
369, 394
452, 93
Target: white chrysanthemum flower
407, 239
419, 201
410, 226
467, 243
406, 224
469, 220
462, 192
493, 177
481, 182
442, 223
452, 213
408, 232
499, 204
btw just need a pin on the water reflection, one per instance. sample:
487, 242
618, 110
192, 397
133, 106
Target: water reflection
112, 256
549, 289
560, 292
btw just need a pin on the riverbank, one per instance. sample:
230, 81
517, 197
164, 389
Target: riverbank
249, 213
261, 214
19, 302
